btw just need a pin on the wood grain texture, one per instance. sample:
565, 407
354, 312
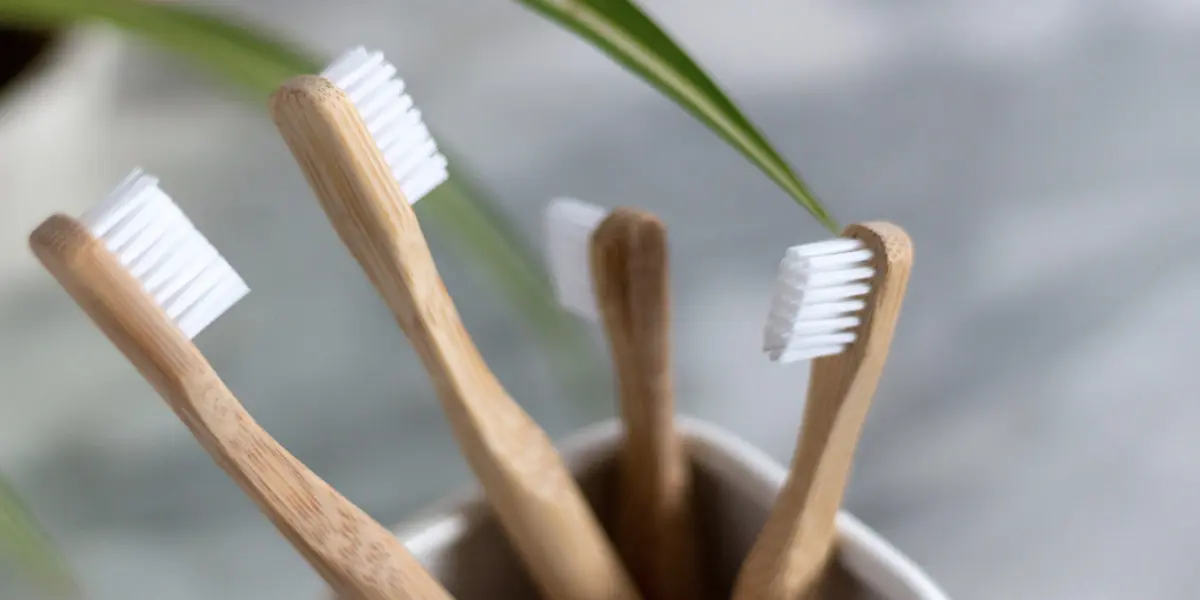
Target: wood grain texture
357, 556
795, 545
535, 497
655, 526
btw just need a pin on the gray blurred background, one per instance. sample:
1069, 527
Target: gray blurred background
1034, 435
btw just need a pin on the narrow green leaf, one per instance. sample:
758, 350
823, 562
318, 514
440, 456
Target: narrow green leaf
235, 52
621, 30
463, 217
30, 551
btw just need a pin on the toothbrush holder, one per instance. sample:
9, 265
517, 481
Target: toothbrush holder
735, 484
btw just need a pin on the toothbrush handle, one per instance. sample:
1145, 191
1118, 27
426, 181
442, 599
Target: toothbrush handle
789, 557
533, 494
655, 526
357, 556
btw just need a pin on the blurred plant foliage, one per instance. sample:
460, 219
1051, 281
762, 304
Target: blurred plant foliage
28, 550
259, 62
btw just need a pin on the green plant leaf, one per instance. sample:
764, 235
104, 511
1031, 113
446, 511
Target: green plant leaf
29, 549
621, 30
232, 51
456, 207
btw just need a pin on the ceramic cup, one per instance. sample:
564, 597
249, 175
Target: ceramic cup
736, 484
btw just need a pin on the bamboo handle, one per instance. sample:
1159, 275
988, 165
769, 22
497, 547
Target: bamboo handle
789, 558
655, 527
358, 557
533, 494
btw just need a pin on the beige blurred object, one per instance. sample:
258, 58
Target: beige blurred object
55, 123
735, 485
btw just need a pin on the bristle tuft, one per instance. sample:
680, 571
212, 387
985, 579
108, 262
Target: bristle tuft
818, 292
569, 227
177, 266
393, 121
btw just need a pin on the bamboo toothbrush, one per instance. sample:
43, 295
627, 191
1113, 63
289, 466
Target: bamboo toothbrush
625, 252
151, 282
836, 302
338, 139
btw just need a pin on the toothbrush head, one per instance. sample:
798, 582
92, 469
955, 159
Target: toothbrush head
569, 225
818, 295
394, 123
176, 265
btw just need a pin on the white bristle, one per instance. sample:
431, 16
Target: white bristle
569, 227
396, 125
818, 292
158, 245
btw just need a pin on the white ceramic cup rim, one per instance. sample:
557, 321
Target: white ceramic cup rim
863, 552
